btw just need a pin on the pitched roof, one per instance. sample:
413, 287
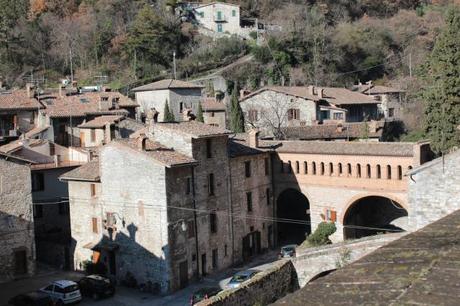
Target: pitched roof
167, 84
18, 100
193, 128
16, 158
36, 130
403, 149
84, 104
375, 89
238, 146
87, 172
100, 122
216, 2
160, 153
211, 104
333, 131
334, 95
421, 268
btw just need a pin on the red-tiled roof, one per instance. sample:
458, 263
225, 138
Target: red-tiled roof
18, 100
84, 104
100, 122
211, 104
194, 128
167, 84
376, 89
87, 172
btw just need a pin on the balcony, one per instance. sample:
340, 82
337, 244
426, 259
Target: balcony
220, 18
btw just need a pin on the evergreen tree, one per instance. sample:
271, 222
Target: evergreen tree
199, 115
441, 93
168, 115
236, 113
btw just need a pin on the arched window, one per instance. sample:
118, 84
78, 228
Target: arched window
349, 169
379, 172
331, 169
305, 167
297, 167
358, 170
322, 168
389, 172
399, 173
340, 169
368, 171
313, 165
290, 167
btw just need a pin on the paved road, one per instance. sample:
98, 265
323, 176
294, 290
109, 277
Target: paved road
127, 296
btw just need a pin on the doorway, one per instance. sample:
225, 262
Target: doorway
183, 274
203, 264
20, 262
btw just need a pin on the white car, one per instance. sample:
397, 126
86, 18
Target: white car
63, 292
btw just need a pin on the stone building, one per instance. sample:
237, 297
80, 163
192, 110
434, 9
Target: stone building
17, 253
214, 112
434, 190
172, 209
180, 95
300, 106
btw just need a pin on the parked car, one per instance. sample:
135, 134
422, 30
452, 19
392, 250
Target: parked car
35, 298
96, 286
240, 278
203, 293
288, 251
63, 292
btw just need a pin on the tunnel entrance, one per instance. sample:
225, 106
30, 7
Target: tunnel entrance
292, 204
373, 215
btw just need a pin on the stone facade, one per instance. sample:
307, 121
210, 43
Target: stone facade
219, 18
17, 254
434, 190
216, 118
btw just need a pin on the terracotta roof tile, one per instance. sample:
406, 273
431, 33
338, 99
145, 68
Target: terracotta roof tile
211, 104
167, 84
405, 149
18, 100
238, 146
100, 122
333, 131
194, 128
87, 172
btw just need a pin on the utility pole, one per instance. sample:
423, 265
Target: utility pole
410, 64
174, 64
71, 63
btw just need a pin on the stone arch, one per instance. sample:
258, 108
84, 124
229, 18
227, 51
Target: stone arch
292, 204
367, 215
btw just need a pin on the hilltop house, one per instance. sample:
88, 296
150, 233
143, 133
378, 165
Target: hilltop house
281, 106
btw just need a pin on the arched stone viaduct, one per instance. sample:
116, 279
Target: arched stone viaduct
361, 186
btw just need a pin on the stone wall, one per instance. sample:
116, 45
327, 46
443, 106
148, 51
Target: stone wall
16, 219
265, 288
434, 190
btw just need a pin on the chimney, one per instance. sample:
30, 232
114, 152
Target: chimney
311, 90
253, 140
141, 140
61, 91
372, 126
107, 133
321, 93
242, 93
30, 88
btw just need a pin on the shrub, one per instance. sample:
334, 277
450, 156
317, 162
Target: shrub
321, 234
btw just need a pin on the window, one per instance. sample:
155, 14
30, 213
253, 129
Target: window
93, 135
219, 15
368, 171
348, 169
212, 114
94, 225
293, 114
322, 168
297, 167
340, 169
213, 222
188, 186
247, 168
399, 173
313, 166
38, 181
391, 112
181, 107
93, 190
208, 148
191, 229
253, 115
214, 259
249, 201
338, 116
305, 167
233, 13
379, 172
331, 169
225, 250
267, 195
211, 184
110, 219
63, 208
267, 166
358, 170
219, 28
389, 172
38, 211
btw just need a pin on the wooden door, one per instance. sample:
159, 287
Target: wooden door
20, 262
183, 274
